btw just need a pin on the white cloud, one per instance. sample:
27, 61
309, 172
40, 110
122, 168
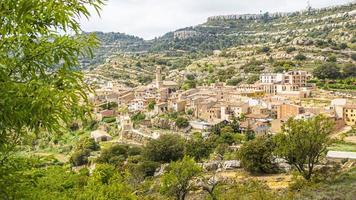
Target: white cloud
153, 18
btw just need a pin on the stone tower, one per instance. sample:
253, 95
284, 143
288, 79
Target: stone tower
158, 77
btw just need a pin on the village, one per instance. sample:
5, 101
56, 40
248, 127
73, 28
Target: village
262, 107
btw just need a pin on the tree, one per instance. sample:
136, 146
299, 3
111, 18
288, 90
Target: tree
235, 125
343, 46
166, 148
257, 155
265, 49
227, 135
182, 122
327, 71
198, 148
115, 154
331, 59
37, 55
249, 133
290, 49
151, 105
300, 57
234, 81
40, 43
177, 181
353, 56
82, 151
303, 143
349, 70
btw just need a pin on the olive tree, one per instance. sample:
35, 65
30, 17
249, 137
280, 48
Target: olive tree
257, 155
177, 182
304, 142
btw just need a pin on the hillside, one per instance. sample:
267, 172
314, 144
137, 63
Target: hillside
236, 48
111, 43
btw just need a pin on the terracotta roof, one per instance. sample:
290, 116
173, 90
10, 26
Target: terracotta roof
350, 106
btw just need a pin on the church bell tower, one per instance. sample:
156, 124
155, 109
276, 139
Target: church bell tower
158, 77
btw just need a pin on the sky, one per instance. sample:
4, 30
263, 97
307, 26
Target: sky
153, 18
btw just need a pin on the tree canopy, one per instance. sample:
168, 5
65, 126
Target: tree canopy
40, 90
303, 143
178, 180
40, 43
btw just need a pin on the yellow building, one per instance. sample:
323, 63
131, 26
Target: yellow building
350, 115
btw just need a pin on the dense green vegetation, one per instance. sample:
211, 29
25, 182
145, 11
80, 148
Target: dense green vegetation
45, 148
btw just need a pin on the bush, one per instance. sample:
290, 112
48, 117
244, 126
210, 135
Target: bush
109, 119
166, 148
115, 154
227, 138
182, 122
300, 57
290, 49
265, 49
256, 155
148, 168
343, 46
353, 56
87, 143
151, 105
138, 117
327, 71
79, 157
133, 151
252, 79
331, 59
349, 70
190, 112
198, 149
234, 81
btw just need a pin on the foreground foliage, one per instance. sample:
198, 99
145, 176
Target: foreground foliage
304, 142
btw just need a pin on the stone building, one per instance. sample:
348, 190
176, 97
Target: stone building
350, 114
286, 111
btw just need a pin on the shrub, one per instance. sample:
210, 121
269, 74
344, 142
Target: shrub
349, 70
87, 143
290, 49
252, 79
133, 151
148, 168
343, 46
182, 122
80, 157
166, 148
331, 59
151, 105
265, 49
138, 117
115, 154
353, 56
256, 155
109, 119
190, 112
234, 81
327, 71
198, 148
300, 57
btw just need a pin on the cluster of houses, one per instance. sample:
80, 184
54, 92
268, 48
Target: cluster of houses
262, 107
